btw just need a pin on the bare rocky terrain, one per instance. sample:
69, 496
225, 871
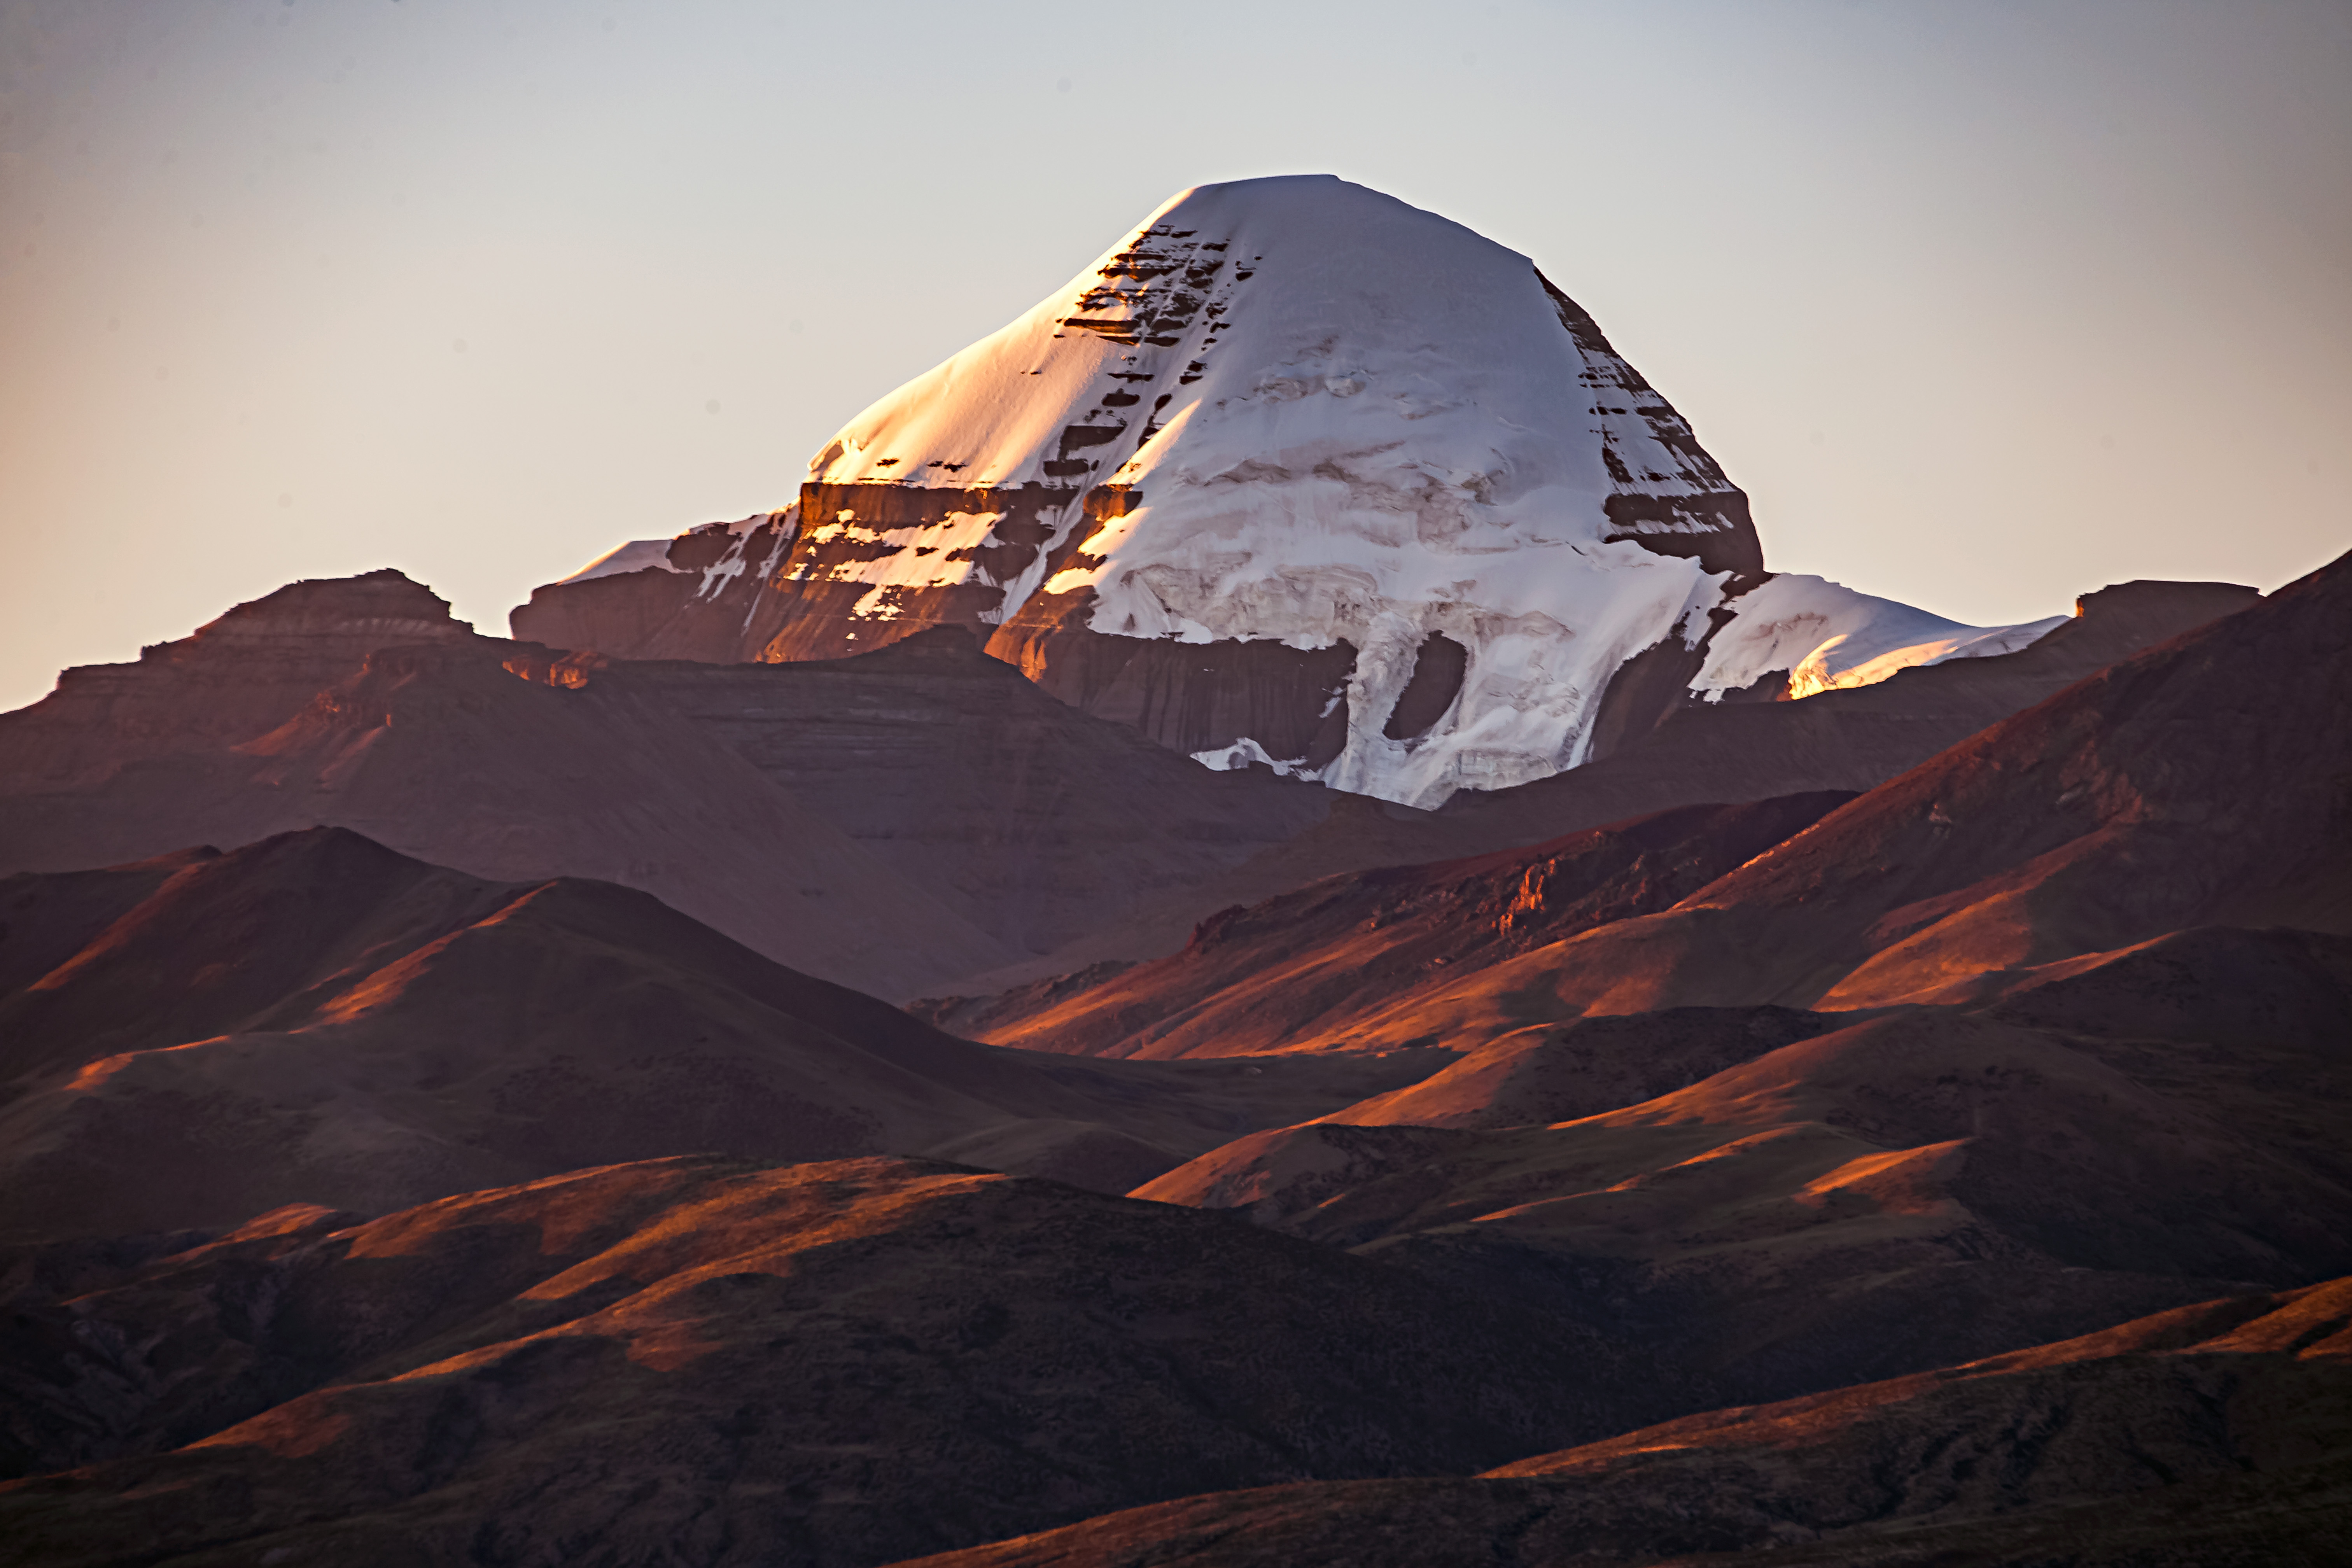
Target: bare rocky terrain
704, 1360
1929, 1160
2215, 1433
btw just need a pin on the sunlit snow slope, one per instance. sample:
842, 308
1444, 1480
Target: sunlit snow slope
1299, 473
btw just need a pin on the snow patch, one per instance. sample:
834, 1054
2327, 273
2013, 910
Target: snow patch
930, 555
1243, 753
636, 555
1828, 636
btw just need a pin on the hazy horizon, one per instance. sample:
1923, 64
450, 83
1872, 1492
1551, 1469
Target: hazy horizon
1985, 305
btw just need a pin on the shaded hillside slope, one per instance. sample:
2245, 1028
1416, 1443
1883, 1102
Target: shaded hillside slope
2216, 1433
1735, 751
2223, 991
889, 821
1869, 1199
1302, 970
315, 1018
1035, 821
2201, 783
705, 1362
357, 702
894, 822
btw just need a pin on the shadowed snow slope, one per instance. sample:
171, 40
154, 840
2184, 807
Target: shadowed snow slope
1295, 472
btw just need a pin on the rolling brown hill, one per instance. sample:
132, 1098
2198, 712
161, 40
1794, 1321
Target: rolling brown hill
1303, 970
1699, 754
713, 1362
896, 821
2219, 1433
1872, 1198
314, 1018
2201, 782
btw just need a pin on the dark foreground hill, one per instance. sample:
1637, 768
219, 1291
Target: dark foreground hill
1870, 1199
707, 1361
2213, 1433
313, 1018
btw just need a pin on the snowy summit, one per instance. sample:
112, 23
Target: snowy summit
1299, 473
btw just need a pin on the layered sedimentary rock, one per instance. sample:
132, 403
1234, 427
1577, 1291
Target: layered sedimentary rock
1294, 473
701, 595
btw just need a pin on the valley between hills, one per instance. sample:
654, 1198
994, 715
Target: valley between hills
1237, 942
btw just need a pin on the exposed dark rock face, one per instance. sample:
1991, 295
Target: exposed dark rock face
713, 603
1693, 511
1436, 681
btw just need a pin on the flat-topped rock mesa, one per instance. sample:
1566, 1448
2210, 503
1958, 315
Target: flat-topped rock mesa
346, 703
234, 677
1294, 473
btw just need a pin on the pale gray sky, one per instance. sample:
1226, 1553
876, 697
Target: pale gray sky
1985, 303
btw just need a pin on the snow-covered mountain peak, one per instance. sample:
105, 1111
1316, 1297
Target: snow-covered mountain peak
1298, 473
1295, 410
1384, 365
